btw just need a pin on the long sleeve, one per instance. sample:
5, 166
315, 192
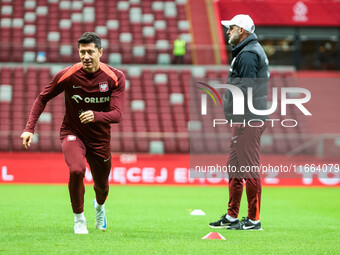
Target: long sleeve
50, 91
116, 105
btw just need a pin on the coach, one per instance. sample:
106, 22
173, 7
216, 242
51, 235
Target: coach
249, 69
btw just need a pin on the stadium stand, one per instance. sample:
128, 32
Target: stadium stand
132, 31
137, 38
156, 114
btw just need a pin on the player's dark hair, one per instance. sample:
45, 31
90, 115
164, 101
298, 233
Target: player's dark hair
90, 37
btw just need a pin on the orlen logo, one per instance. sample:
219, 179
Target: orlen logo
76, 97
92, 100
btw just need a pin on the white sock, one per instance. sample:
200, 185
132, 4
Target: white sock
98, 206
254, 221
230, 218
79, 216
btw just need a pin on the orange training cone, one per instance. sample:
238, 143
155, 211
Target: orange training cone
213, 235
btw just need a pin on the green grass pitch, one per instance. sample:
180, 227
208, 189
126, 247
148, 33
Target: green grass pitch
37, 219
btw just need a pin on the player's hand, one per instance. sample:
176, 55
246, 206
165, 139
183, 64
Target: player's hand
27, 138
86, 117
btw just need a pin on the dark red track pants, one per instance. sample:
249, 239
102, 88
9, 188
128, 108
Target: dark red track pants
245, 152
75, 153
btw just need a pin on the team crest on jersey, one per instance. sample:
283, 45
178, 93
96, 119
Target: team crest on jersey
103, 86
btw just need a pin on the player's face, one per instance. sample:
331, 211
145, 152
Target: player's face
90, 56
234, 36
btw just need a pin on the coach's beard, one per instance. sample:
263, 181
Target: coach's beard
234, 39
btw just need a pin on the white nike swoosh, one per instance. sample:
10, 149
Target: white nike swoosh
234, 137
105, 160
244, 227
76, 87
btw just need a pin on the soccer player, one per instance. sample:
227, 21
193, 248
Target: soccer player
249, 69
94, 98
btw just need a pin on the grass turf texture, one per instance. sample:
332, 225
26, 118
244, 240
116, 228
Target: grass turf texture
156, 220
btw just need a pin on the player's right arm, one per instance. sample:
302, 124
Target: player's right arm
27, 138
50, 91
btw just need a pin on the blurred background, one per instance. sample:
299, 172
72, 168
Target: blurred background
39, 38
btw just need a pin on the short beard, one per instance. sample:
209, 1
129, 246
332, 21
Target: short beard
233, 40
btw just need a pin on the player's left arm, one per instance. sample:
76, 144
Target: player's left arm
116, 107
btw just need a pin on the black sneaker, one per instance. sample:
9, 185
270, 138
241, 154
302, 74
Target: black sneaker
224, 223
246, 224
